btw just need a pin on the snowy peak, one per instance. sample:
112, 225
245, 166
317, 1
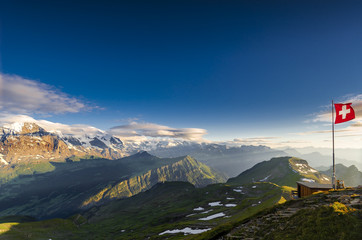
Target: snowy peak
22, 128
28, 141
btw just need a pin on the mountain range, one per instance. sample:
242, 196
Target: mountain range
351, 176
28, 142
57, 185
32, 145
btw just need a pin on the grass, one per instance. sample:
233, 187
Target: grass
321, 223
164, 207
49, 229
74, 185
245, 213
9, 173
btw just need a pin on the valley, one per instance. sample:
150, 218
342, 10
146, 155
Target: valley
141, 195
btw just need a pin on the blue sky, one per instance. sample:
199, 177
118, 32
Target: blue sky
238, 69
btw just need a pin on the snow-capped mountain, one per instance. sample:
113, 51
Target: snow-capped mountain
30, 142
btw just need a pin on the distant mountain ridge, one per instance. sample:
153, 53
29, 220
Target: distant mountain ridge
318, 157
29, 146
282, 171
230, 160
351, 176
186, 169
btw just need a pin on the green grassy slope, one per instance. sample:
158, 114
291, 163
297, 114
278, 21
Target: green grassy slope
187, 169
78, 184
282, 171
166, 206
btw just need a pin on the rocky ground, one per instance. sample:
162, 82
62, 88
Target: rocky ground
283, 218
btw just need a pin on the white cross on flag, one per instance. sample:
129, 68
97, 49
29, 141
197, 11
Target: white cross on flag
344, 112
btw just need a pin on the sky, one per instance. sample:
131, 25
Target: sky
239, 72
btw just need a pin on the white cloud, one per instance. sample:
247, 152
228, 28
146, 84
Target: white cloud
20, 95
356, 101
155, 130
75, 129
252, 141
134, 131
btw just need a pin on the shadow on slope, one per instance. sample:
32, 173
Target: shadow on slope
73, 186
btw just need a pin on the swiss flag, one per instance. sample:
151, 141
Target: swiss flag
344, 112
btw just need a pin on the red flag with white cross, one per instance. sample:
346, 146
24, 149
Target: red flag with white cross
344, 112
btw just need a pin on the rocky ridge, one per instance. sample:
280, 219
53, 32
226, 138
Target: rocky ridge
186, 169
28, 142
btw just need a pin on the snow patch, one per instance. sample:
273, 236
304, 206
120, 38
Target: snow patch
264, 179
253, 187
2, 160
307, 180
214, 204
16, 127
217, 215
207, 211
199, 209
230, 198
230, 205
300, 165
185, 231
238, 190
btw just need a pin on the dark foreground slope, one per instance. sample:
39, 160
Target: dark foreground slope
74, 186
329, 216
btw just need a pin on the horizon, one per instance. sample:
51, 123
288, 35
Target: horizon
239, 73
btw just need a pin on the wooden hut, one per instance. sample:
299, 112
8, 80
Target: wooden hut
307, 188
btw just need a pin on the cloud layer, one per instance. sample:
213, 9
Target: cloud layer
155, 130
20, 95
133, 131
76, 129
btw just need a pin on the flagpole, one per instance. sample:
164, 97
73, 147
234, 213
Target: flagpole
334, 169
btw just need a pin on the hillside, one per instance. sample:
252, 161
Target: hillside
186, 169
350, 175
178, 210
156, 214
284, 171
76, 185
331, 215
